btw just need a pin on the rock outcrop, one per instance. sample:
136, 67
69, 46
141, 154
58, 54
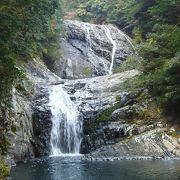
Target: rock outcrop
88, 49
134, 127
92, 94
87, 52
23, 138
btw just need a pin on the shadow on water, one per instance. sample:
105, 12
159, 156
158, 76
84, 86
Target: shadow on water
73, 168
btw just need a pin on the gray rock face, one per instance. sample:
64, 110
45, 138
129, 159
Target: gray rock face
92, 99
41, 122
21, 137
125, 112
31, 116
124, 134
150, 144
87, 50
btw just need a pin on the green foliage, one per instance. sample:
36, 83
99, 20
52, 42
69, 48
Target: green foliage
106, 114
87, 71
120, 12
52, 51
132, 62
163, 41
165, 85
161, 65
4, 145
24, 28
69, 5
4, 169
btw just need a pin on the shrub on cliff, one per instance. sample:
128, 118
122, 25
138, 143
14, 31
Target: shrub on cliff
24, 29
4, 169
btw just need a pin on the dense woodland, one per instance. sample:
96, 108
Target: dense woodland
31, 28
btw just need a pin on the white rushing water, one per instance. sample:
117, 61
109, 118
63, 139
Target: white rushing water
66, 133
90, 30
108, 34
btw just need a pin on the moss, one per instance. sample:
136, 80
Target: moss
106, 114
126, 140
25, 87
4, 169
118, 98
4, 145
87, 71
20, 88
133, 84
13, 129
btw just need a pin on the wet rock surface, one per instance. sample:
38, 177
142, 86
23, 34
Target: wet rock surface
87, 50
92, 94
149, 145
120, 134
41, 122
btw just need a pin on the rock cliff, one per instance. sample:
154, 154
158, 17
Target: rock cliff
87, 50
116, 122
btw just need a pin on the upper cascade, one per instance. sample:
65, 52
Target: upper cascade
92, 50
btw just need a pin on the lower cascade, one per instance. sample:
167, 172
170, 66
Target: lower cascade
66, 133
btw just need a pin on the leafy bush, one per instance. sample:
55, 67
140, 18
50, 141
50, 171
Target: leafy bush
4, 169
132, 62
165, 85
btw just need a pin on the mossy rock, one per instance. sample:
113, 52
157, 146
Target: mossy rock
4, 145
105, 115
87, 71
4, 169
127, 140
118, 98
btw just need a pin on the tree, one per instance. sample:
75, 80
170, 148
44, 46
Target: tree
24, 28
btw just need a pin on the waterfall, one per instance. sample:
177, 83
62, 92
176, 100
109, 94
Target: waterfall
108, 34
90, 30
66, 132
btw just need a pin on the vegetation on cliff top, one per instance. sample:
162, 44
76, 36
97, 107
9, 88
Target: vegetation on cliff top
155, 28
26, 30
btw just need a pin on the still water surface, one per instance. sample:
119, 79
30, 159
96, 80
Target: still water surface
73, 168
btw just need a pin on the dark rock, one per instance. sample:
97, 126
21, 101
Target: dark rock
41, 123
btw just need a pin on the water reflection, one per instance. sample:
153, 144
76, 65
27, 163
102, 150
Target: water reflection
73, 168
